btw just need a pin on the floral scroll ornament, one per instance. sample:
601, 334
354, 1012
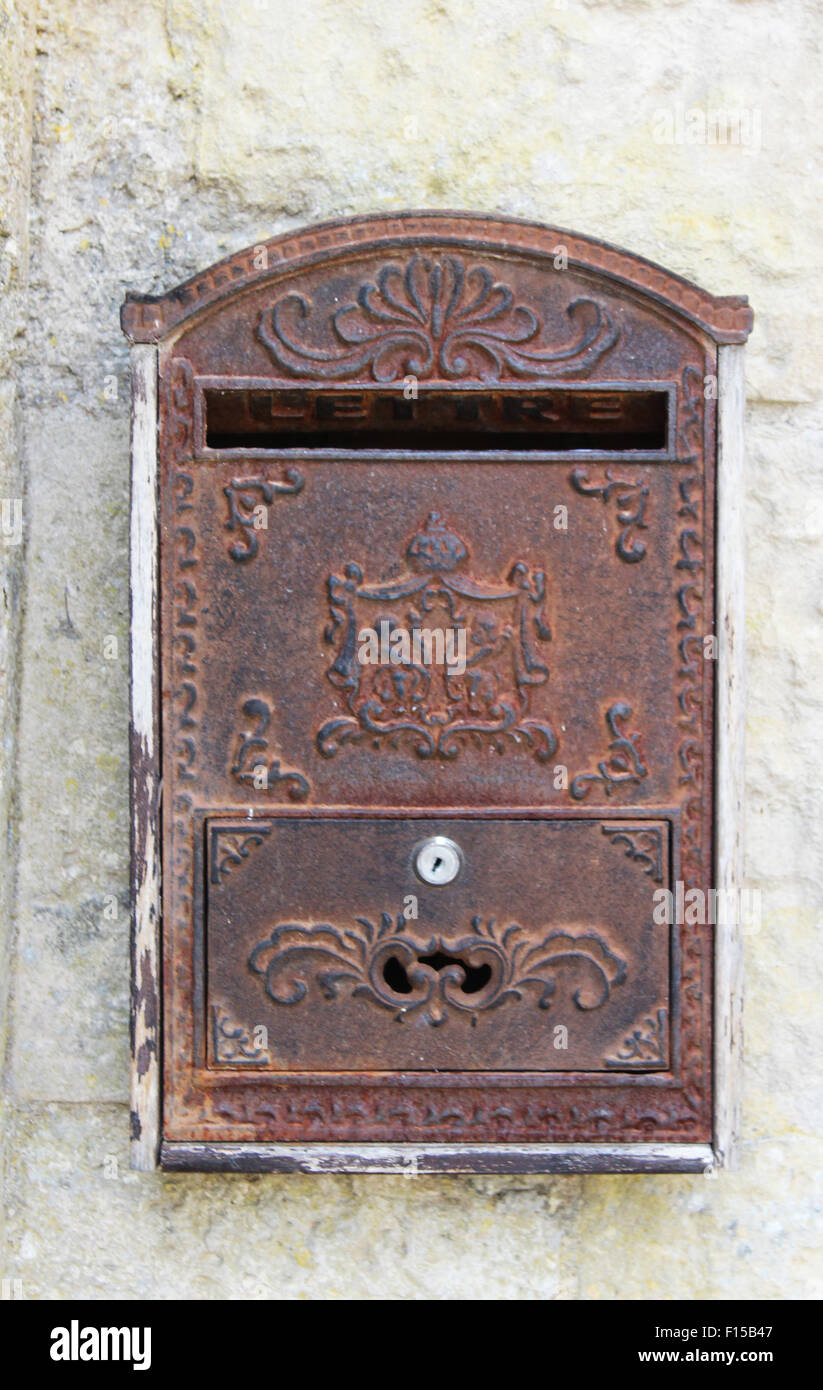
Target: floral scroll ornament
432, 317
442, 977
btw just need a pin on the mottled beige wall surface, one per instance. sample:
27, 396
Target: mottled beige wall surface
147, 141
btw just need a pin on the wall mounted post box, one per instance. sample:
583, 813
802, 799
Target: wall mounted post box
436, 623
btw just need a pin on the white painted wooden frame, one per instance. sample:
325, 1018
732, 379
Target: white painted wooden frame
410, 1159
145, 769
730, 621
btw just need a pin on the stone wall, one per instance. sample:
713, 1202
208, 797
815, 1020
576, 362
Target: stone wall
145, 142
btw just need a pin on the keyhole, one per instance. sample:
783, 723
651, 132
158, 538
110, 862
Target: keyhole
476, 976
438, 861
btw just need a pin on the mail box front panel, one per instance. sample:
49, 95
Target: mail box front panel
436, 567
330, 945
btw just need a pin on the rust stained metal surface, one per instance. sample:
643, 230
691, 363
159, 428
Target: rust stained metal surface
402, 430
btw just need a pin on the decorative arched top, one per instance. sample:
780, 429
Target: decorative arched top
481, 309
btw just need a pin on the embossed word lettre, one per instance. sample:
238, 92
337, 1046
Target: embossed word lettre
430, 644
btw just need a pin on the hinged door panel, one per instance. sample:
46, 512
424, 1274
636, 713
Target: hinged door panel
326, 951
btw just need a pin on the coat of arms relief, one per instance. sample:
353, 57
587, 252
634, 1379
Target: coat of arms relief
473, 687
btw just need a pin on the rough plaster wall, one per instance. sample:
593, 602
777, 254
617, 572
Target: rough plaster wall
166, 135
16, 95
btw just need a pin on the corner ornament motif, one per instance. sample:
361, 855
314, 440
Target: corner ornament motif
232, 1043
644, 845
644, 1047
623, 765
630, 496
246, 497
251, 765
441, 977
232, 846
432, 317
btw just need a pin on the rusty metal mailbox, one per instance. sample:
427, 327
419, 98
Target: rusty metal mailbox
430, 643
